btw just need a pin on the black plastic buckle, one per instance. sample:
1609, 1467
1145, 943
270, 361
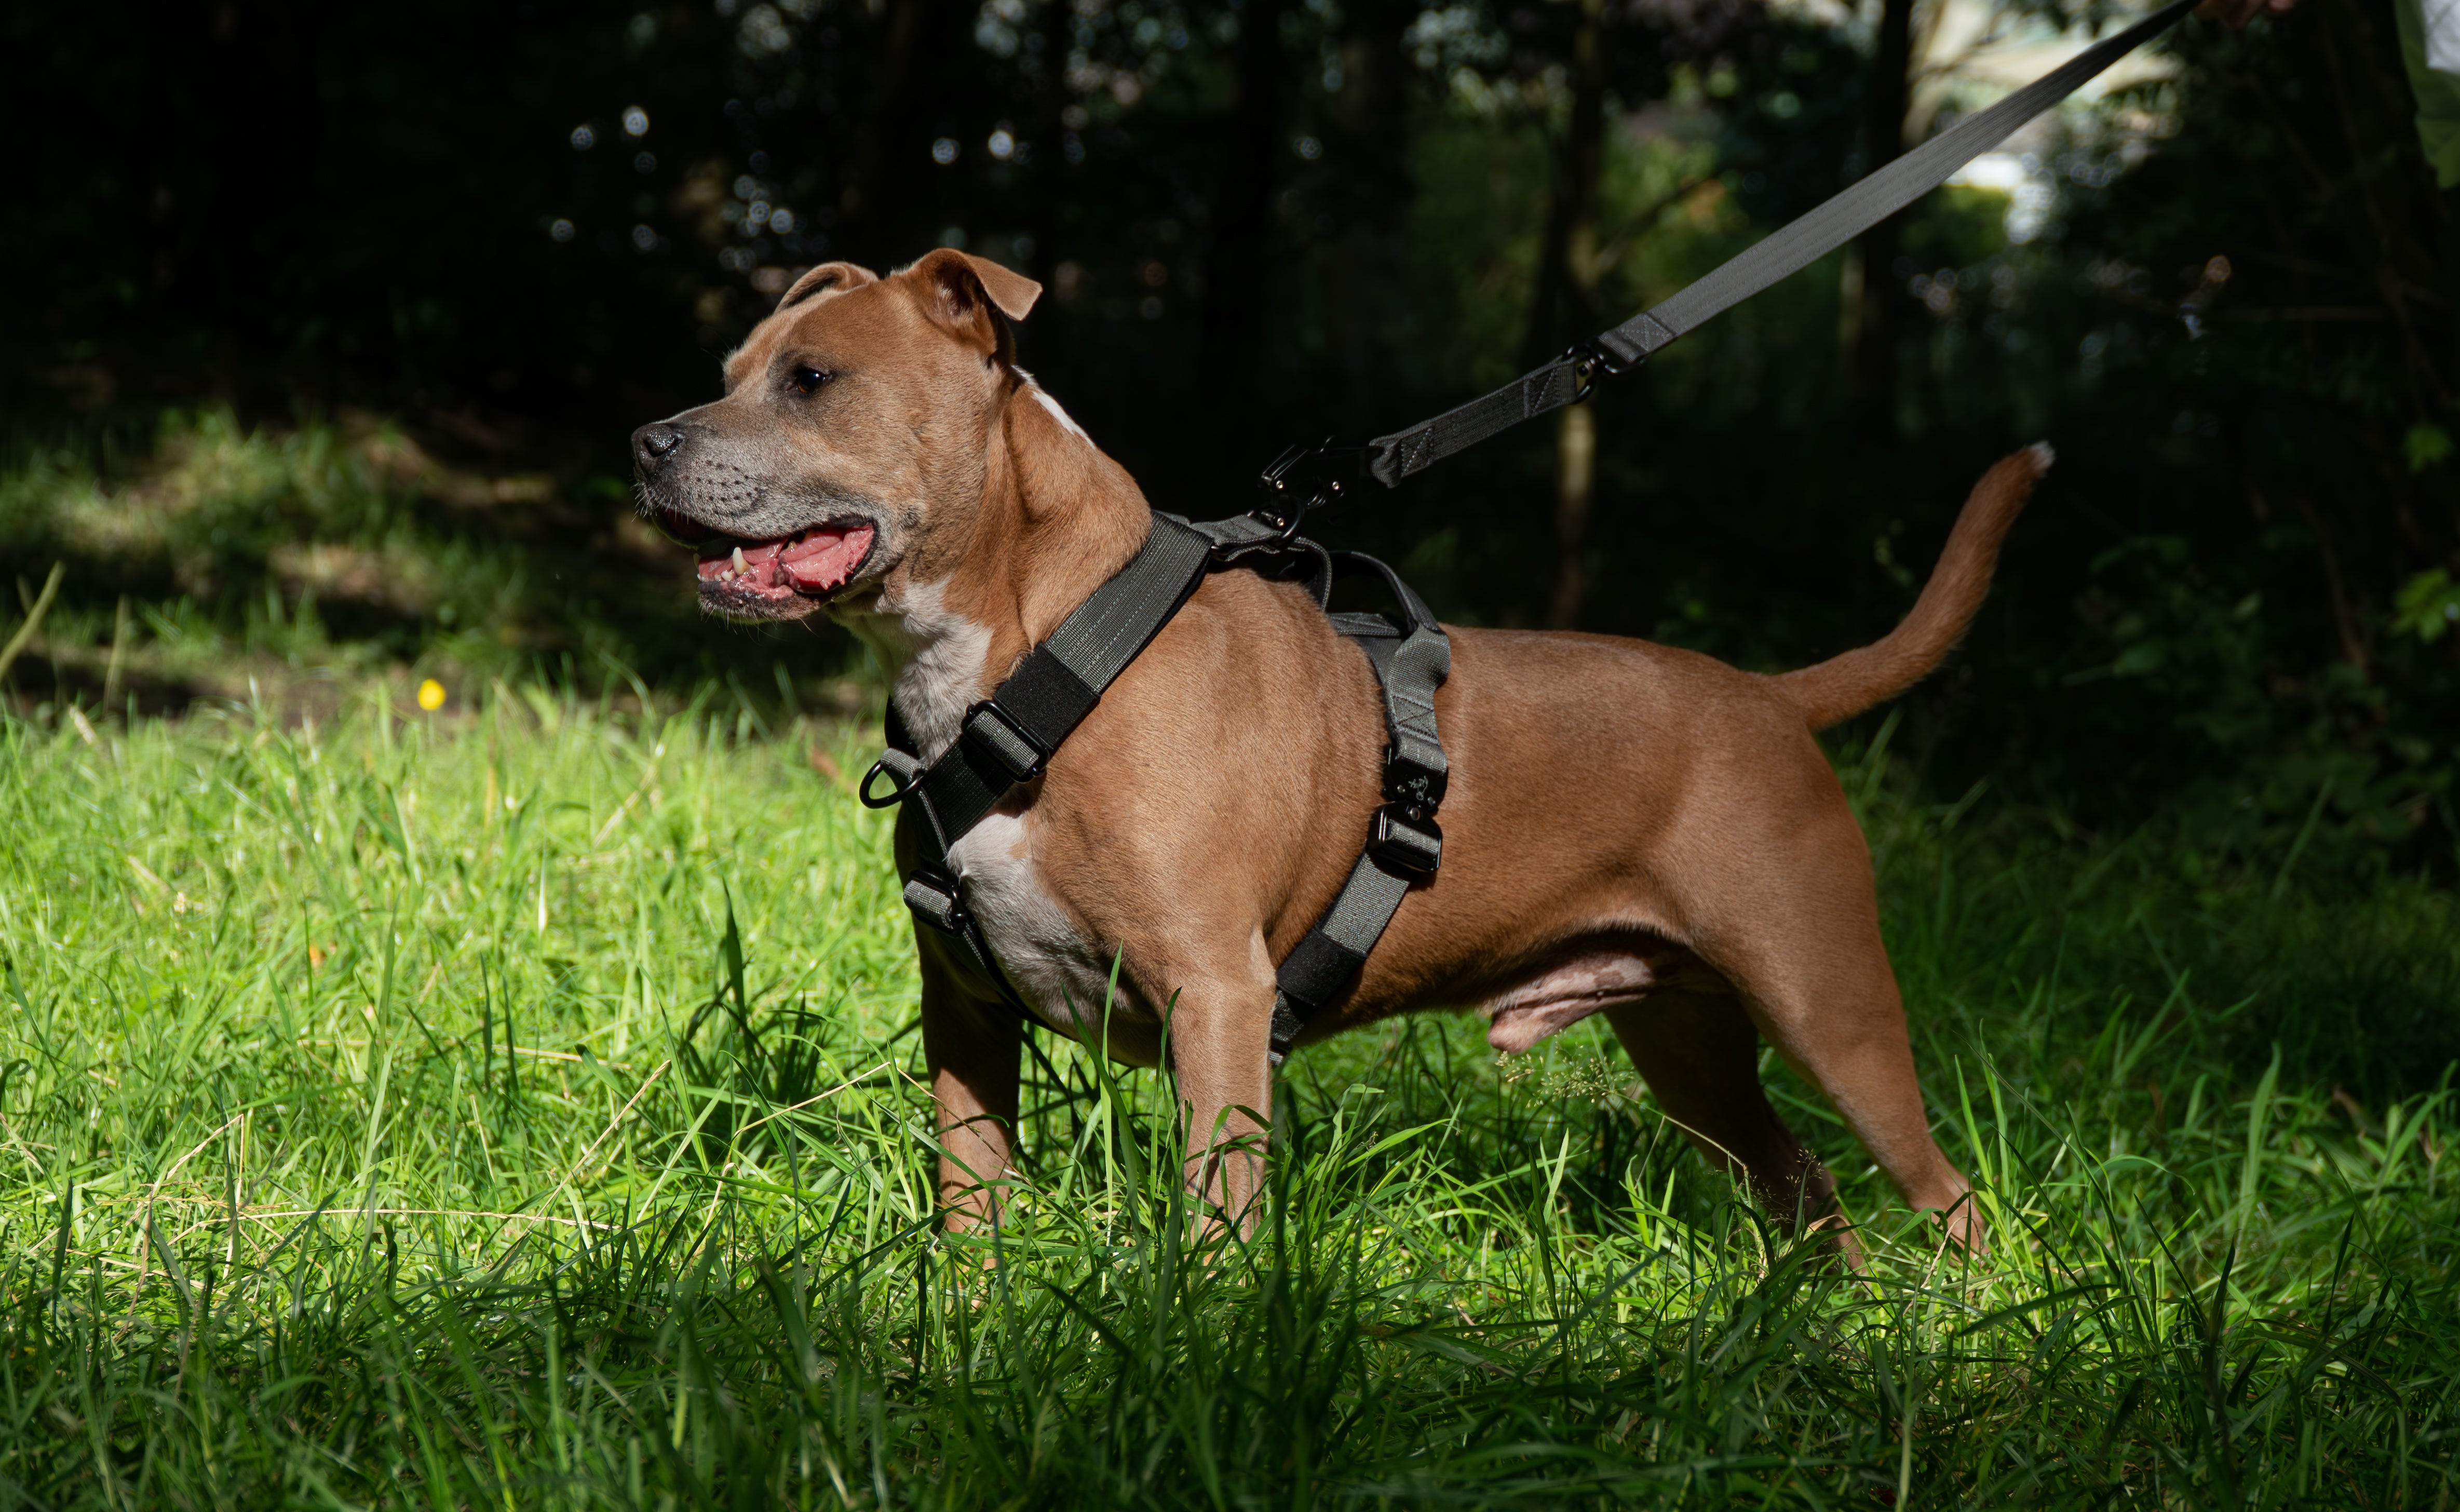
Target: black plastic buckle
994, 730
1415, 789
1413, 847
1307, 478
937, 901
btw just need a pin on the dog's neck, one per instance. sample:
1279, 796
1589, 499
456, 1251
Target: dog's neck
1057, 518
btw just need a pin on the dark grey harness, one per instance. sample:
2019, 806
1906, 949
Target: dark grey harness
1007, 739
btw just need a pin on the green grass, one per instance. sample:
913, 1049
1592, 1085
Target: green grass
523, 1109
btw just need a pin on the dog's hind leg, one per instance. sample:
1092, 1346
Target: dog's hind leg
1828, 1001
1699, 1052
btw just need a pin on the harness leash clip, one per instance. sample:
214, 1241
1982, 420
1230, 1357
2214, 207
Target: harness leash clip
1306, 477
1594, 362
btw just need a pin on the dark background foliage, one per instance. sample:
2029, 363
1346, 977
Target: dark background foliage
1269, 220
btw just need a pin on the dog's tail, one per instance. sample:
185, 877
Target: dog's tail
1842, 687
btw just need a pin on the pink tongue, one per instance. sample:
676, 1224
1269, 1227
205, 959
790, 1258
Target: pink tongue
825, 559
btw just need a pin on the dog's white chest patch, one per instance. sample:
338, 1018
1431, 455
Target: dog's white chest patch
939, 656
1061, 975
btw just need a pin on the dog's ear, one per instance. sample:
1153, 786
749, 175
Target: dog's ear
827, 278
973, 295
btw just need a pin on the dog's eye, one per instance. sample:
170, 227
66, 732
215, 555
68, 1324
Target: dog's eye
806, 379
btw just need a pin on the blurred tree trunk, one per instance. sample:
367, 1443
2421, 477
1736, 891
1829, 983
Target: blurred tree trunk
2370, 532
1238, 271
885, 205
1868, 287
261, 126
1047, 346
1367, 276
1572, 227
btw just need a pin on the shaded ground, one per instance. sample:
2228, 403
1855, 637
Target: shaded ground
216, 562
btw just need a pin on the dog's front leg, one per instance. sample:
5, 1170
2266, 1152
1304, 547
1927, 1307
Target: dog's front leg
1219, 1038
971, 1048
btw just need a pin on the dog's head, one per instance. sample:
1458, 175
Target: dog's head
852, 442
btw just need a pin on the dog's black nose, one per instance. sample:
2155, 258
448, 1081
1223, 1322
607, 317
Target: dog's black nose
652, 444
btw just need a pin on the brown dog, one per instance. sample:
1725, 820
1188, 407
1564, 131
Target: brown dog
1630, 829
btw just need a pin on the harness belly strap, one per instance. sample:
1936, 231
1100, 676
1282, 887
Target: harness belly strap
1404, 845
1009, 738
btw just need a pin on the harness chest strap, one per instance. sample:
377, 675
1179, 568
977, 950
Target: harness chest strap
1009, 738
1006, 739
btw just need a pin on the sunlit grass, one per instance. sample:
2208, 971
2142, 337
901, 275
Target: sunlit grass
388, 1121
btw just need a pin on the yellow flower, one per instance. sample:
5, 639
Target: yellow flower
430, 695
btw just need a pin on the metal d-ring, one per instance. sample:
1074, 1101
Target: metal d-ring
905, 785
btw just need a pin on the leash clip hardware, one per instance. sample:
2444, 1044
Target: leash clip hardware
937, 901
1594, 362
1414, 789
995, 731
1413, 847
1304, 478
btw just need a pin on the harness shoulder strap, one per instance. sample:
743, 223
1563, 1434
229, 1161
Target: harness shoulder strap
1007, 738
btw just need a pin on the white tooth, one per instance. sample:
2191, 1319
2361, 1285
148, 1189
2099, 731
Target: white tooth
741, 565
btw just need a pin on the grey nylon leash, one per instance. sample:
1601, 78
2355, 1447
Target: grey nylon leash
1783, 252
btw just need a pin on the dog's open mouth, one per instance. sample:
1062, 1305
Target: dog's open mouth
737, 574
